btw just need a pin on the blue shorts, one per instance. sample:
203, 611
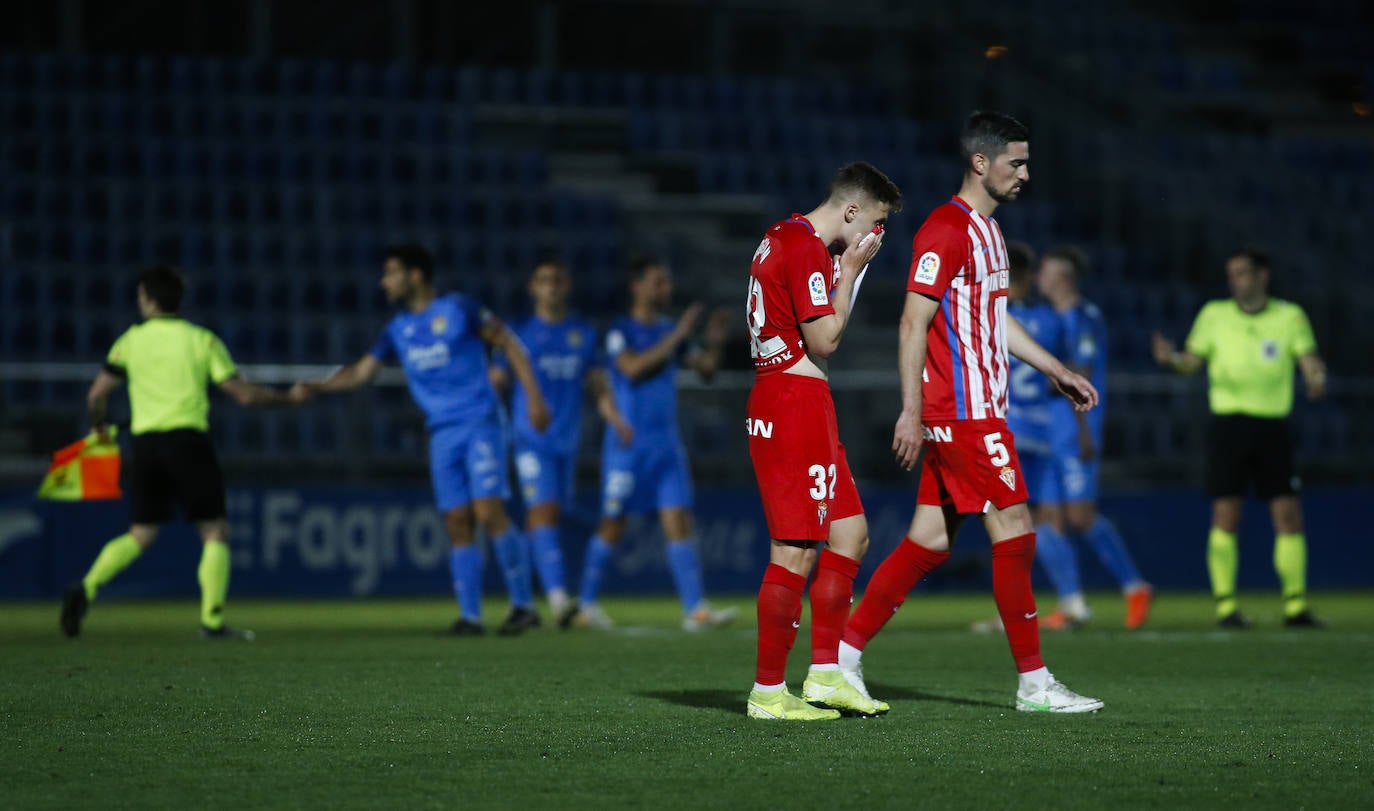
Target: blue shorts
644, 477
545, 475
468, 462
1068, 479
1036, 469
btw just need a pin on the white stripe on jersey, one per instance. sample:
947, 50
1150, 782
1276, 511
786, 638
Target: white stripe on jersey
967, 315
989, 357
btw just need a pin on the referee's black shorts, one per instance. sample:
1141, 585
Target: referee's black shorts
1245, 452
170, 469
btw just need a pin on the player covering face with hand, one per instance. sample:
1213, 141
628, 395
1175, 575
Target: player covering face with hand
799, 305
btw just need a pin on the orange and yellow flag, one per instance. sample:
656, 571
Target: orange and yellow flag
85, 470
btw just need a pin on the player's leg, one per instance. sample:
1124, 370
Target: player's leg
195, 467
1013, 554
671, 491
151, 503
540, 475
779, 618
1045, 481
924, 549
1227, 480
1277, 482
448, 476
618, 489
485, 461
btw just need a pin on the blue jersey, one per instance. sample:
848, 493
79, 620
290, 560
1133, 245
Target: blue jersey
650, 403
444, 358
562, 354
1085, 348
1029, 393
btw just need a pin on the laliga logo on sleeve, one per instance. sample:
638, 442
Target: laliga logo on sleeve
927, 268
816, 285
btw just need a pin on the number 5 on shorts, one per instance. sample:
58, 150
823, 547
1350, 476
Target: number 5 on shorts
818, 490
996, 450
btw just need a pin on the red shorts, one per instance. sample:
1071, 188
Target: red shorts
970, 464
800, 465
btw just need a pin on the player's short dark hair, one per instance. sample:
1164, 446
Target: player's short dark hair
1078, 261
413, 256
988, 133
1021, 258
164, 285
864, 178
640, 265
1259, 258
553, 259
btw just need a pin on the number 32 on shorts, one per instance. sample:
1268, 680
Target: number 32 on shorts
818, 474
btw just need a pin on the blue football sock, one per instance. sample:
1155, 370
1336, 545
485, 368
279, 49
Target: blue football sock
1057, 557
686, 570
1111, 549
548, 557
513, 553
465, 565
598, 554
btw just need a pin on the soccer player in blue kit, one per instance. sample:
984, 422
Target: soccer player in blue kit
440, 341
1075, 446
650, 471
563, 353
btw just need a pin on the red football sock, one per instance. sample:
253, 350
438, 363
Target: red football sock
780, 605
831, 595
888, 588
1011, 587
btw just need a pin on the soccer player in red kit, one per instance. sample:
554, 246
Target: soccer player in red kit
799, 305
952, 356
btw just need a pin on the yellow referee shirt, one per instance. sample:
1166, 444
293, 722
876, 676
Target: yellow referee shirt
169, 363
1250, 356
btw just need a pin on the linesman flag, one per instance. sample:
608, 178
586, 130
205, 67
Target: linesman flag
85, 470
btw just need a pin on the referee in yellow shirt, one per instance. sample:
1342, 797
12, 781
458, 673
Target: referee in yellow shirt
168, 364
1250, 343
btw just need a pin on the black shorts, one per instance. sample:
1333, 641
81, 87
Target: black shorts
1245, 451
170, 469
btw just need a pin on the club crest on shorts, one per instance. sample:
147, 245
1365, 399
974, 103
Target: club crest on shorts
1008, 477
822, 510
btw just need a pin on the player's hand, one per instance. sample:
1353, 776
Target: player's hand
301, 393
906, 440
540, 416
1316, 387
624, 432
718, 327
860, 251
688, 320
1163, 349
1077, 388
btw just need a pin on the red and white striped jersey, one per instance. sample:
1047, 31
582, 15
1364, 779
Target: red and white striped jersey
960, 260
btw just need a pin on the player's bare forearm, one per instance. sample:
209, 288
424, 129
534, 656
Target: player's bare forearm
251, 394
911, 363
706, 362
1313, 375
635, 365
348, 378
98, 396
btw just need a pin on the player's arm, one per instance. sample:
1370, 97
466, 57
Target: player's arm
917, 314
1313, 370
636, 365
251, 394
499, 337
706, 361
354, 376
822, 335
600, 389
1071, 384
1169, 356
98, 396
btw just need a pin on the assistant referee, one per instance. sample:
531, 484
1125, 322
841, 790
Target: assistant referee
168, 363
1250, 343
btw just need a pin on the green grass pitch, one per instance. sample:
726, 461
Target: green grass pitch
366, 705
